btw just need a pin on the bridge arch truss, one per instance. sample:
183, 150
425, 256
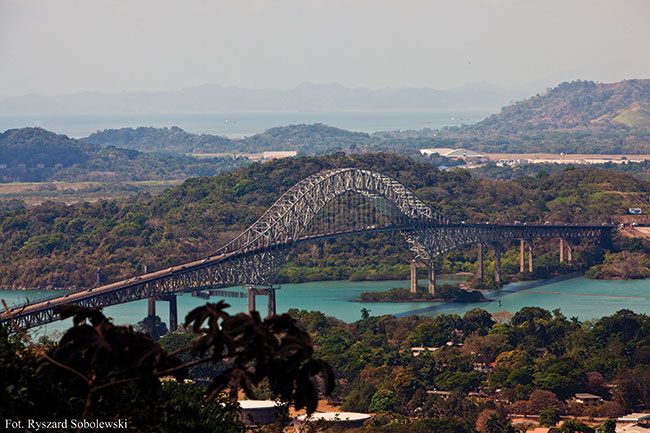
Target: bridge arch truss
255, 257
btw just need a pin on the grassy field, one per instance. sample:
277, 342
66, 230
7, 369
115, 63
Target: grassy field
33, 193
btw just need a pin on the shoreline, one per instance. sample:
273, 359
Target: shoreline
438, 300
458, 274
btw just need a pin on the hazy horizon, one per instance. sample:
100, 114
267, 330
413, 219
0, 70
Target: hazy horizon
473, 84
60, 47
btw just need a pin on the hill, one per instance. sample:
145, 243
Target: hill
575, 117
306, 139
57, 246
33, 146
37, 155
161, 140
579, 104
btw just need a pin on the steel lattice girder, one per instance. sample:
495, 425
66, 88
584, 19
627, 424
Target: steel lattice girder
256, 256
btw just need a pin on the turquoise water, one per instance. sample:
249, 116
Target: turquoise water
585, 299
236, 125
580, 297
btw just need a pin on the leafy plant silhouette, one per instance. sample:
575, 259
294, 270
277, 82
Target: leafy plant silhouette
99, 358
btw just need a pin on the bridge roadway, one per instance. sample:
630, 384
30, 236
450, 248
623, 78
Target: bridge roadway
140, 286
254, 258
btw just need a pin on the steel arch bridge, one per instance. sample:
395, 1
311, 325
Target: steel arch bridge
325, 205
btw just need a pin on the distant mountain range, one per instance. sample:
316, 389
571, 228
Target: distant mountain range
213, 98
576, 117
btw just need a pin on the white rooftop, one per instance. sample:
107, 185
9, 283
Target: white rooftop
583, 395
335, 416
451, 153
258, 404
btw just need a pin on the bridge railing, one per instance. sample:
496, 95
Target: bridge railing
15, 307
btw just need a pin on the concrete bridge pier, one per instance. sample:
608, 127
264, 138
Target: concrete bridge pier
479, 262
565, 245
173, 314
431, 276
271, 302
173, 311
497, 263
151, 307
414, 276
522, 255
251, 300
269, 292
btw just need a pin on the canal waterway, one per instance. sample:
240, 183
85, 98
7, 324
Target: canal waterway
580, 297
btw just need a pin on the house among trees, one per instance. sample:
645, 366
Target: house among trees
466, 155
279, 154
417, 350
587, 399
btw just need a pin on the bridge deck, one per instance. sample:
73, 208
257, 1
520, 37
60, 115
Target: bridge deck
81, 296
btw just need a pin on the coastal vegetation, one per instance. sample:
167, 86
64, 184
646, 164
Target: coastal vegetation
626, 265
444, 293
37, 155
56, 245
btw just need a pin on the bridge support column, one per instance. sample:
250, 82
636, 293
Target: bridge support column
269, 292
431, 274
271, 301
151, 307
251, 300
530, 255
522, 257
569, 254
414, 276
173, 312
479, 262
497, 263
561, 250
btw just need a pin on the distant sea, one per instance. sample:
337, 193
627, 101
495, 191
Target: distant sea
237, 125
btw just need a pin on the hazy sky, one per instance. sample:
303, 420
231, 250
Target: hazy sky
65, 46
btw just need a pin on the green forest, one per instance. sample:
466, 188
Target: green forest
443, 374
37, 155
61, 246
533, 364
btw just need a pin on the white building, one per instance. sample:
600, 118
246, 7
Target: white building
279, 154
447, 152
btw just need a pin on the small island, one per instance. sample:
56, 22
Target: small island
444, 293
